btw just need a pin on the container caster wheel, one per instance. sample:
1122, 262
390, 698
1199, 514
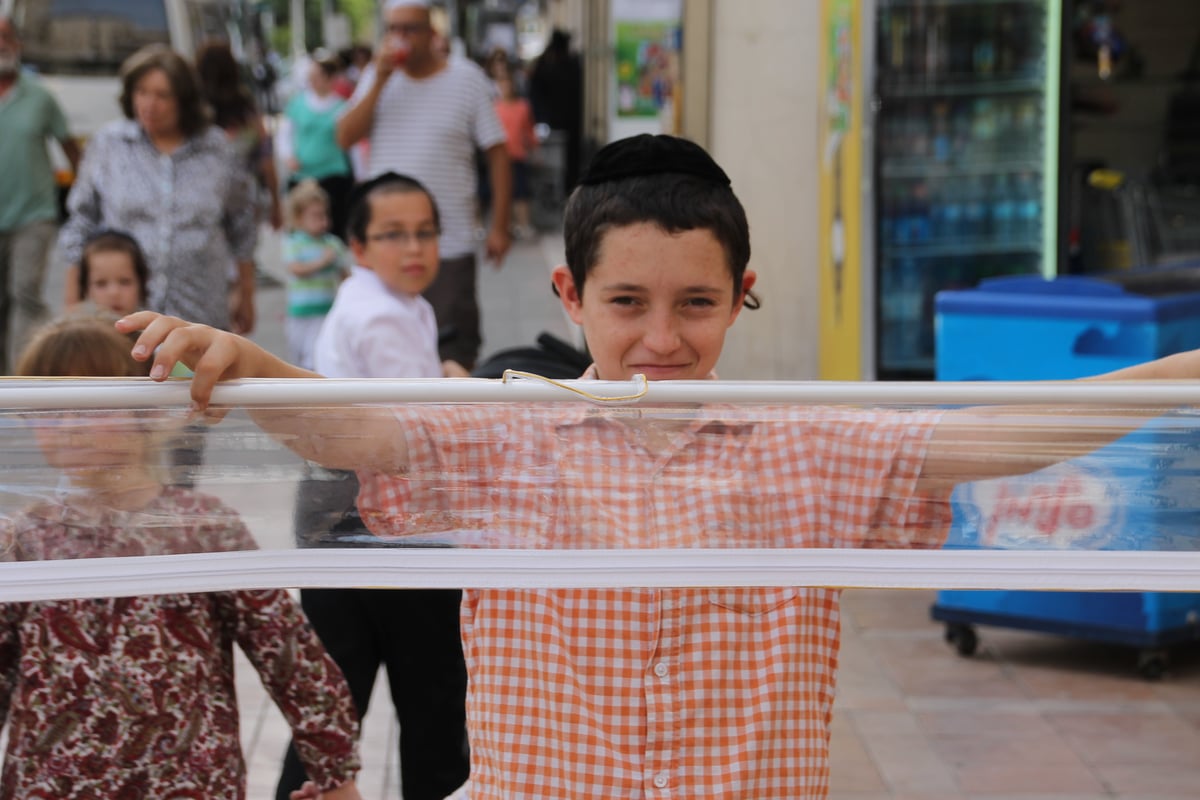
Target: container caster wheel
963, 637
1152, 664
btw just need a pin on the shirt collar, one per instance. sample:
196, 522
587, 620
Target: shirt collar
19, 87
713, 416
131, 131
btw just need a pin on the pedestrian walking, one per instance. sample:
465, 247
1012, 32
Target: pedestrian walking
172, 180
29, 116
381, 327
233, 111
426, 114
308, 139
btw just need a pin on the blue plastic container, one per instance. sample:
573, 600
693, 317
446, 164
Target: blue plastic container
1134, 494
1027, 328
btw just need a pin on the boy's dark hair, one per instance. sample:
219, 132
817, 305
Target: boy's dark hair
359, 215
663, 180
112, 241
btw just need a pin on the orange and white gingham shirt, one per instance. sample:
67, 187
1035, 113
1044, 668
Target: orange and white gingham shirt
697, 693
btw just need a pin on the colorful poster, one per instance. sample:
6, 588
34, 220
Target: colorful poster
645, 88
841, 355
647, 57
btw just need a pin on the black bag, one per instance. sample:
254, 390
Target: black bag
551, 358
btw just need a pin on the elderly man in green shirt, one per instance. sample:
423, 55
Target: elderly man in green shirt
29, 116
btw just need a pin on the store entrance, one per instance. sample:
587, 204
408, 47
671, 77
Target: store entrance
1131, 136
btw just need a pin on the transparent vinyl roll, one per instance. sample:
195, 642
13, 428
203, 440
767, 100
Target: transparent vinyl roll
116, 487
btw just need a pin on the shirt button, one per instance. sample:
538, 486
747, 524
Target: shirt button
660, 669
661, 780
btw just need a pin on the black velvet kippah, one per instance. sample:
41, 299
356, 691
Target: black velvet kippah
360, 191
646, 154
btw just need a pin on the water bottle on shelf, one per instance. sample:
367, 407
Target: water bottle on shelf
974, 210
907, 322
942, 138
949, 216
920, 214
1028, 226
1003, 210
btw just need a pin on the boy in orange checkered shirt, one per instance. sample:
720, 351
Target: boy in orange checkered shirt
720, 693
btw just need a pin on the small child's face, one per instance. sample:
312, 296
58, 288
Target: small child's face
314, 219
95, 449
655, 303
402, 242
113, 282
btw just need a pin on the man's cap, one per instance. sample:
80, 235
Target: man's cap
647, 154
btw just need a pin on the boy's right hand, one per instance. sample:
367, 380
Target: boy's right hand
213, 355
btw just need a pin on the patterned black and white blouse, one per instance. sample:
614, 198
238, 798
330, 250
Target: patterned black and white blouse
192, 211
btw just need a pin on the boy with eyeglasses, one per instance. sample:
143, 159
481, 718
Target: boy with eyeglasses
426, 115
381, 327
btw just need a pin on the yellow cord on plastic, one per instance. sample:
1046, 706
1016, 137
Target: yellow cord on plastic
596, 398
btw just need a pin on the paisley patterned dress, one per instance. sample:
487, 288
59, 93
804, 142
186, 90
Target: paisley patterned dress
133, 697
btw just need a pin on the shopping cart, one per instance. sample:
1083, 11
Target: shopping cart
1130, 223
1174, 223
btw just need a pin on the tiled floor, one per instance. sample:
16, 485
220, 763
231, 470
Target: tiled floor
1029, 716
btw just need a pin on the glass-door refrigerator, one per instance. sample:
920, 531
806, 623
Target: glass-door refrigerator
965, 117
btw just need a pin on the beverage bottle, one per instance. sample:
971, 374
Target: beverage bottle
920, 139
887, 215
1004, 209
908, 324
951, 216
962, 131
898, 43
1006, 43
983, 52
942, 140
974, 210
921, 221
1028, 208
937, 46
983, 129
958, 48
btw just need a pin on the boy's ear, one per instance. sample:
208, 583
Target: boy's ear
564, 287
749, 278
358, 249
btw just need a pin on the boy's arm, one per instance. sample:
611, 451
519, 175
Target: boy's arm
358, 437
972, 444
302, 268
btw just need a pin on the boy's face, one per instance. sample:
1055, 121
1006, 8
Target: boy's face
402, 241
113, 282
314, 219
656, 303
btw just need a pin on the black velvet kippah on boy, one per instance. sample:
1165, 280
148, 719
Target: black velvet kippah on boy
360, 191
646, 154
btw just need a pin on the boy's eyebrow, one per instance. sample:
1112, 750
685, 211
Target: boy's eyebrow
637, 287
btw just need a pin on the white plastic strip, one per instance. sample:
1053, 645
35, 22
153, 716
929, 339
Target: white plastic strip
486, 568
141, 393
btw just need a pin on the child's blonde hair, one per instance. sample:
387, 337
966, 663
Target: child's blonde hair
303, 195
79, 346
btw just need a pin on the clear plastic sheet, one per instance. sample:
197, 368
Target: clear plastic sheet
112, 487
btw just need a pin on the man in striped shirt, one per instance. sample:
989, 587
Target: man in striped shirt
426, 115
